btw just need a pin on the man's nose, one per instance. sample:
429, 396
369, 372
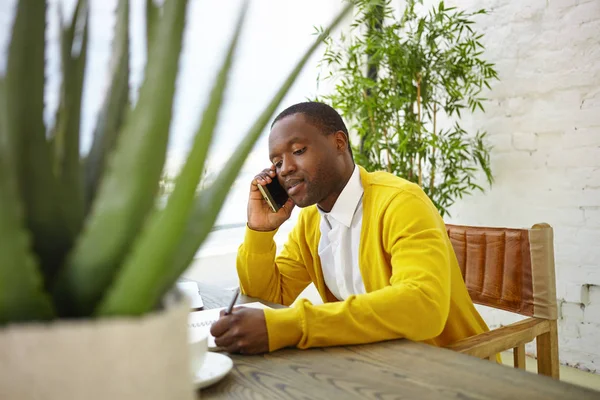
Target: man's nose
287, 167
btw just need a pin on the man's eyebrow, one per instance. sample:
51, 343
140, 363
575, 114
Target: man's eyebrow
291, 141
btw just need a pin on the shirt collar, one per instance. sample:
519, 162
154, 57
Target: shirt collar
345, 206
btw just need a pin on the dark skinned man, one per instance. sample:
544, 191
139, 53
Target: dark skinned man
373, 244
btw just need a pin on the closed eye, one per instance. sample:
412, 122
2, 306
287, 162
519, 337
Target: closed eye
298, 152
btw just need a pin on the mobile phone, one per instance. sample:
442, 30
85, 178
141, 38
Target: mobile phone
274, 194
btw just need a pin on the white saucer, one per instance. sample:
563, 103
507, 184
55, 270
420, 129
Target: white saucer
214, 368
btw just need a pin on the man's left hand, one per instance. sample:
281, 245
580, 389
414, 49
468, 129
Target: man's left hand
243, 331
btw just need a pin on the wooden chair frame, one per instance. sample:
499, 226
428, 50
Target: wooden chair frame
536, 263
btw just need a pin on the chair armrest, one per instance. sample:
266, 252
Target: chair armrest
507, 337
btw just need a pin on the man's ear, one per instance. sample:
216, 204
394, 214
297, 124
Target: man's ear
341, 140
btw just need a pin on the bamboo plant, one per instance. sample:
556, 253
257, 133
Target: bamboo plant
398, 75
82, 236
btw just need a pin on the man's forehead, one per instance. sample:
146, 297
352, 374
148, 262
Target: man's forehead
287, 139
290, 122
292, 127
278, 144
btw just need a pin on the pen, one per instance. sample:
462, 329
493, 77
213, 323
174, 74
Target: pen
233, 300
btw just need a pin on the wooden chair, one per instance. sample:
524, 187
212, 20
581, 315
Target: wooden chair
513, 270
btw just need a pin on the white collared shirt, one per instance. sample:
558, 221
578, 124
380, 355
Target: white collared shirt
340, 241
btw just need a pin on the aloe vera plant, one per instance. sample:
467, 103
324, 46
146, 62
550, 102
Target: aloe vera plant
83, 236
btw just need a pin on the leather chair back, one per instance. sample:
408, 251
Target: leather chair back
510, 269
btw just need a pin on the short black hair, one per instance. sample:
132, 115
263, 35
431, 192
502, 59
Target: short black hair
320, 115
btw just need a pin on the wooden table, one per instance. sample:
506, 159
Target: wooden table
398, 369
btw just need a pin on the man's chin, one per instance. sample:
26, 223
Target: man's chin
303, 202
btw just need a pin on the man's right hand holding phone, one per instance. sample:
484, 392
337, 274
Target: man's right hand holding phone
260, 215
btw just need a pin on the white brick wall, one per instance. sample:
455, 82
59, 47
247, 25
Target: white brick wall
544, 121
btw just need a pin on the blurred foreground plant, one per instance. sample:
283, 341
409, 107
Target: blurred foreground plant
84, 237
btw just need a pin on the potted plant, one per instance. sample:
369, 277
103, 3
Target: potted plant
88, 259
401, 80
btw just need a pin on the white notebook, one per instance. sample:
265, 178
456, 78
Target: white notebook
199, 322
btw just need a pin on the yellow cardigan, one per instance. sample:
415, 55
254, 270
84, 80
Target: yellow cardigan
413, 282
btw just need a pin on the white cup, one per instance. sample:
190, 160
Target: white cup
198, 350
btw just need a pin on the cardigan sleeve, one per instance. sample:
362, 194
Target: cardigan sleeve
278, 280
415, 305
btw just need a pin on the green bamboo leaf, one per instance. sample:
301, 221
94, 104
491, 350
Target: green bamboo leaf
36, 182
137, 288
67, 166
21, 285
114, 108
128, 188
209, 201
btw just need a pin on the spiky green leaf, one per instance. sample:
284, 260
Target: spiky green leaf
114, 107
21, 285
67, 166
36, 182
129, 186
152, 17
138, 286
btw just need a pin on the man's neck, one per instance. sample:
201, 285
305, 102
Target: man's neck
330, 202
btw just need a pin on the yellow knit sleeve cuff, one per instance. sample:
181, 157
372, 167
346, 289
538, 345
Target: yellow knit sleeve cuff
284, 326
258, 241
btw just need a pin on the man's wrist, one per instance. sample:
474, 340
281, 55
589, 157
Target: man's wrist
259, 241
255, 229
284, 327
